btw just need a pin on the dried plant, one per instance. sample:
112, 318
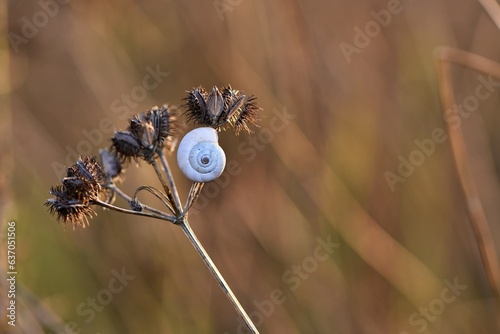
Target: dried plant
150, 136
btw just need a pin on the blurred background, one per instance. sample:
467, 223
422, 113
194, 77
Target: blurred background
344, 213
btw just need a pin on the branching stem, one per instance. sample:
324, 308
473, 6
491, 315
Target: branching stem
159, 215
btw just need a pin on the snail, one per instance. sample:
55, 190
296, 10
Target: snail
199, 156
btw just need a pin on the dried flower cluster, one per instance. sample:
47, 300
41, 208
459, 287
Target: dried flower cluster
220, 109
80, 189
148, 135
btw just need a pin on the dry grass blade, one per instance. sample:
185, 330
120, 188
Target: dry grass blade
479, 222
493, 9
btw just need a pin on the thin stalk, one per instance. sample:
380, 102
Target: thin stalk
194, 192
120, 193
218, 276
174, 199
161, 216
166, 167
479, 221
155, 192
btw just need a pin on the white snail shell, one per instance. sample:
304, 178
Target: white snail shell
199, 156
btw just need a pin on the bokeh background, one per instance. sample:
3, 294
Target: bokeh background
70, 69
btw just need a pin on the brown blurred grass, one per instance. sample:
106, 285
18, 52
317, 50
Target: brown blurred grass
323, 175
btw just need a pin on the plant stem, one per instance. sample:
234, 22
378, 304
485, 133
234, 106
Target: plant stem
159, 215
158, 194
181, 219
194, 192
166, 167
478, 217
168, 190
120, 193
218, 276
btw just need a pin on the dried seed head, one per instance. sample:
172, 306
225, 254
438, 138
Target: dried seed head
220, 109
70, 211
84, 178
248, 114
154, 128
80, 189
112, 166
125, 146
196, 106
147, 133
163, 121
91, 170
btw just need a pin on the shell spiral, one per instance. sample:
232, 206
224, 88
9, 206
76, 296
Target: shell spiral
199, 156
